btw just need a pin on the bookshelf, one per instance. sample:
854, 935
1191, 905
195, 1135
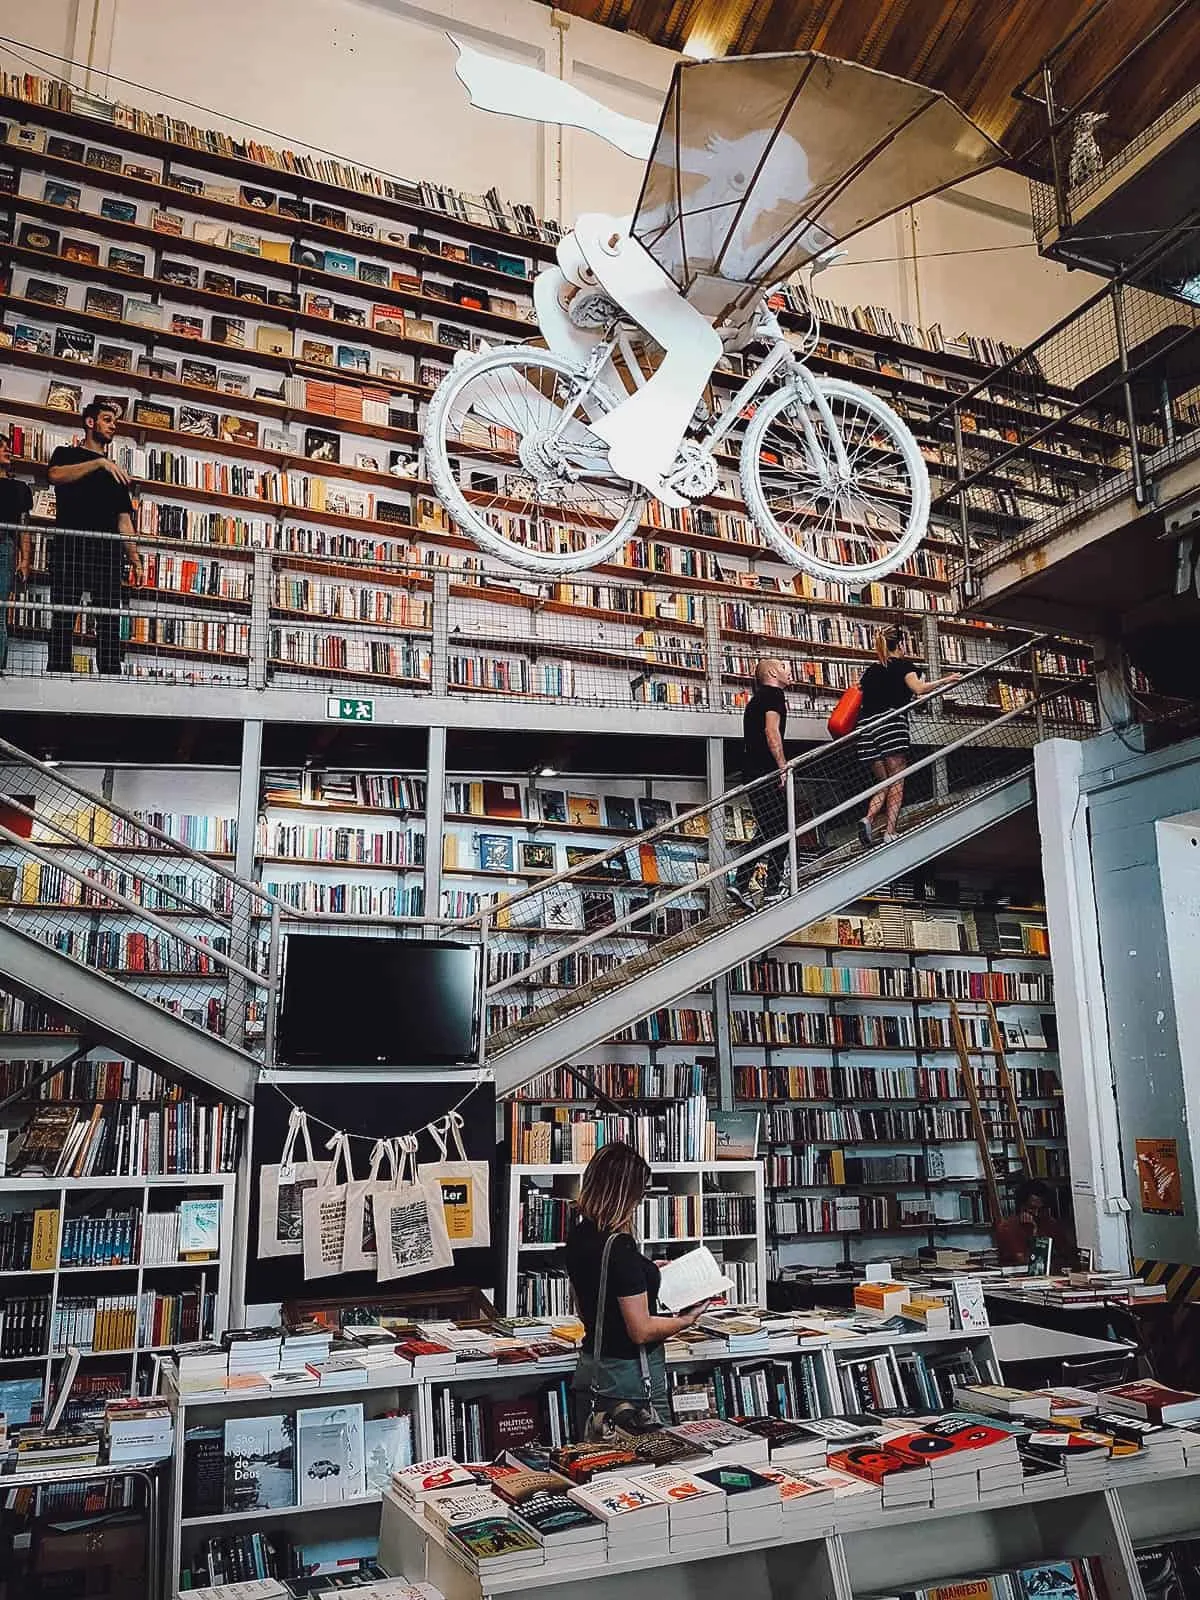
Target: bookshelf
275, 355
841, 1039
116, 1285
197, 1479
716, 1203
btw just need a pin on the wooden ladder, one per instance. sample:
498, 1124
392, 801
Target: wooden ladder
995, 1117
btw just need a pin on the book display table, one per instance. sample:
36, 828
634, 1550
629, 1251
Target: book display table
857, 1554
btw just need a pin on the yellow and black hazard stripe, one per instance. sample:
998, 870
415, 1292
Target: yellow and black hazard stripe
1181, 1280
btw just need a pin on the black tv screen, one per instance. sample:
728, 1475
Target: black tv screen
360, 1002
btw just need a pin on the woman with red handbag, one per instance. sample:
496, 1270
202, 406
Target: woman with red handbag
892, 683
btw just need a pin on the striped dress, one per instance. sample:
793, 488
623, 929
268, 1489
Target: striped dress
884, 690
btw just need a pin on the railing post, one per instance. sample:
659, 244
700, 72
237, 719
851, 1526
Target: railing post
1168, 414
964, 527
1039, 713
260, 618
712, 652
238, 991
484, 958
932, 644
273, 976
1135, 447
439, 616
1060, 187
714, 760
793, 859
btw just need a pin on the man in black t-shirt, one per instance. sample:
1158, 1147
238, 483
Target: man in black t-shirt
764, 723
16, 502
91, 492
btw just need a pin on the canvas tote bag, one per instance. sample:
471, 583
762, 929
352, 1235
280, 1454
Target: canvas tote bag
280, 1187
410, 1222
360, 1254
464, 1186
323, 1214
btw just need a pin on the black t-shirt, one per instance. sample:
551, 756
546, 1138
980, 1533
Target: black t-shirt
93, 502
16, 501
629, 1273
756, 753
884, 688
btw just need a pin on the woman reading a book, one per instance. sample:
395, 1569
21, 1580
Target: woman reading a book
621, 1377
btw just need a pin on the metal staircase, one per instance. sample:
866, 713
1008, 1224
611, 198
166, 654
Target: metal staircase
162, 916
579, 972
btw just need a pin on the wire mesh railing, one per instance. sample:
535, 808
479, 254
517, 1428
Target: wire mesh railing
618, 911
1095, 128
151, 901
377, 625
1078, 421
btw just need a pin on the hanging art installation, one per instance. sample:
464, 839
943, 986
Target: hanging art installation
759, 167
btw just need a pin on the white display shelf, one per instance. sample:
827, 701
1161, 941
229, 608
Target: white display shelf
269, 1513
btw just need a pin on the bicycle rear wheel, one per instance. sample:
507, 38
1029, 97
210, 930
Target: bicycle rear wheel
848, 526
511, 451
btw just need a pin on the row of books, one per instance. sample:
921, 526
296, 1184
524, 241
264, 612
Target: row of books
383, 847
90, 1080
38, 883
848, 1030
874, 1213
213, 834
151, 1320
543, 1136
374, 791
122, 950
772, 976
357, 899
847, 1083
798, 1125
128, 1139
474, 1429
835, 1169
620, 1080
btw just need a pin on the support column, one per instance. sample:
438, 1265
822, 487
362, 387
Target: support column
1115, 703
1085, 1063
714, 765
435, 818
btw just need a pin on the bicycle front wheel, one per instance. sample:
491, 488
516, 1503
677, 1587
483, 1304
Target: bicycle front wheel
512, 452
848, 524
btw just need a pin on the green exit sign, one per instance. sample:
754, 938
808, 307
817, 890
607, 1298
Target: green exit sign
339, 710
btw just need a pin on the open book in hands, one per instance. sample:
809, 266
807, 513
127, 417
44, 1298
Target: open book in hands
691, 1278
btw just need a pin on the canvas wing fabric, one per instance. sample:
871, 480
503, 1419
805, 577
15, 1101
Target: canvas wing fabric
761, 163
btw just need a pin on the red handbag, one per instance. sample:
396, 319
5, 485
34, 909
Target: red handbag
844, 717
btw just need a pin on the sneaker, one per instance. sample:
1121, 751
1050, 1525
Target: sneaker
739, 897
887, 838
864, 831
774, 896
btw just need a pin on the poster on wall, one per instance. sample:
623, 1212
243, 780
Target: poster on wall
1160, 1186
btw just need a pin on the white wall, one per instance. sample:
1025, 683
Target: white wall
373, 80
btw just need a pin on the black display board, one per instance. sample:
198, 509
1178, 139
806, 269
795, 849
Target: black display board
378, 1109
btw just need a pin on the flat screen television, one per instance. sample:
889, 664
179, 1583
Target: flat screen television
362, 1002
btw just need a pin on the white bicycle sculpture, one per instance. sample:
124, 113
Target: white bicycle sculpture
548, 457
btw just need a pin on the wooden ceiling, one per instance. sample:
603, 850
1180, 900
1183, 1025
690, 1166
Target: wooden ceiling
975, 51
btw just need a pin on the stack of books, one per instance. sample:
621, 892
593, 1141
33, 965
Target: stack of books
200, 1368
696, 1517
753, 1503
137, 1430
494, 1545
54, 1452
541, 1502
636, 1522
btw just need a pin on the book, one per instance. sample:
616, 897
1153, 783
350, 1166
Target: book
459, 1506
199, 1229
424, 1478
329, 1454
495, 1544
874, 1462
742, 1484
690, 1278
1000, 1400
259, 1463
1156, 1402
387, 1447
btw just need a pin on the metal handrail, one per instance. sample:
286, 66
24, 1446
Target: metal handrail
762, 848
582, 869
